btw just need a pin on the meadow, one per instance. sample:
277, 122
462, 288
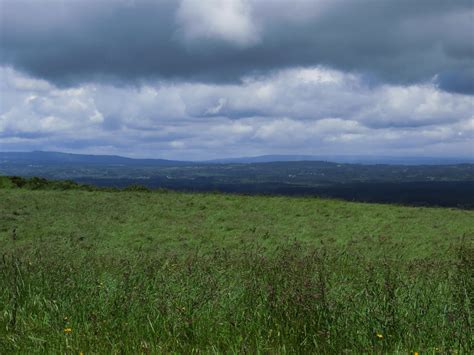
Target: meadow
95, 271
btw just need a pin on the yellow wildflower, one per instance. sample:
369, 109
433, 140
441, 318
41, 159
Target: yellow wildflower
67, 330
378, 335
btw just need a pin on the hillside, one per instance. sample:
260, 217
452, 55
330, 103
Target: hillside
218, 273
132, 221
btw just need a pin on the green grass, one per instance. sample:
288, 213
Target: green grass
154, 272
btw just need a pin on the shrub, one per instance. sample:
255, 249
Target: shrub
136, 188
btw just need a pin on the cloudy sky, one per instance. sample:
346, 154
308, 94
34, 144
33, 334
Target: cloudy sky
203, 79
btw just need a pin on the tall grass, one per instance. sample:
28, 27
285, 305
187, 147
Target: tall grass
293, 299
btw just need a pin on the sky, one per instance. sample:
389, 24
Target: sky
206, 79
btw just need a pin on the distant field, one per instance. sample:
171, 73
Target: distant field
98, 271
442, 185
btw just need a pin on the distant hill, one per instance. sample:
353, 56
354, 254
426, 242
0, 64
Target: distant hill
350, 159
56, 158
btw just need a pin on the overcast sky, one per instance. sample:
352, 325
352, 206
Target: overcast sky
203, 79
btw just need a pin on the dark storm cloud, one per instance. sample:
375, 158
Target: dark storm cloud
401, 41
461, 82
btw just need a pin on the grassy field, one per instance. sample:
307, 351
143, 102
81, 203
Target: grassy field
152, 272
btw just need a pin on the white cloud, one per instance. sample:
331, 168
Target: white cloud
228, 20
11, 79
415, 105
216, 109
295, 111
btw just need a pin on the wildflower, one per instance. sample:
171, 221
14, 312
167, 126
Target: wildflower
379, 336
67, 330
416, 353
